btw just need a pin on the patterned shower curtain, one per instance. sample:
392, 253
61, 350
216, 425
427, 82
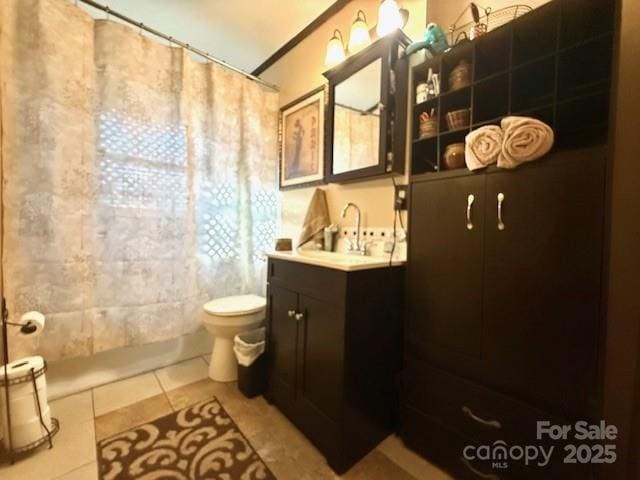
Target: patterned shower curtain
138, 183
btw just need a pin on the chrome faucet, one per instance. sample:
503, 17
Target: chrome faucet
356, 248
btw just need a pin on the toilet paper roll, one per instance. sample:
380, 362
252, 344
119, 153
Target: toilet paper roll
36, 319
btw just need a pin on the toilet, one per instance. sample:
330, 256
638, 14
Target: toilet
224, 318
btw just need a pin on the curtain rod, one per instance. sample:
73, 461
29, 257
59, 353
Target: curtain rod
186, 46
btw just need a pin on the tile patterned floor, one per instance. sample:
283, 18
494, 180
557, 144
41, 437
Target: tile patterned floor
92, 415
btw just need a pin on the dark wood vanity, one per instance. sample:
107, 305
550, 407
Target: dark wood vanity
334, 341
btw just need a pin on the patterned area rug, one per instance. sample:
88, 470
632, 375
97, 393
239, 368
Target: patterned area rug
196, 443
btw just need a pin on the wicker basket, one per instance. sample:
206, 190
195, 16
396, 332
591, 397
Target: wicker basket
428, 128
458, 119
460, 76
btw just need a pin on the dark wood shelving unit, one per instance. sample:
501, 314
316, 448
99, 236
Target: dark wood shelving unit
553, 64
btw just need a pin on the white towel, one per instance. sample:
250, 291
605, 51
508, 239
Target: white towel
525, 139
482, 147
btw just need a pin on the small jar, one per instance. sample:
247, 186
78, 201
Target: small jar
454, 156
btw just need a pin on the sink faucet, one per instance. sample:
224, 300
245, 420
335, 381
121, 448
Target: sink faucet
355, 248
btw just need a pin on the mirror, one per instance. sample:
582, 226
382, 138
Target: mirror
356, 120
367, 112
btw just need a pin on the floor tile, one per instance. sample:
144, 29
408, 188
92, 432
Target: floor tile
87, 472
195, 392
181, 374
124, 392
73, 409
130, 416
73, 447
410, 461
376, 466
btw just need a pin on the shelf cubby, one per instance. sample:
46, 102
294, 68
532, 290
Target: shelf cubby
449, 138
585, 19
535, 34
425, 156
451, 60
421, 71
492, 53
583, 121
533, 85
553, 63
455, 100
491, 98
585, 68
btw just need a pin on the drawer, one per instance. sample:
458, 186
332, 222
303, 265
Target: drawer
484, 415
444, 448
316, 282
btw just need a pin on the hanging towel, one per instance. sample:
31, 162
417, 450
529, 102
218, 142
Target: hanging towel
525, 139
316, 219
482, 147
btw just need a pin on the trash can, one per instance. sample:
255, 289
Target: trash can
252, 363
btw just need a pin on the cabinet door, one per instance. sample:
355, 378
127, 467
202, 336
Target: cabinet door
283, 345
445, 272
321, 355
542, 280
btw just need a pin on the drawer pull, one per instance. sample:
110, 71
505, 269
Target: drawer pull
470, 200
487, 423
500, 200
488, 476
299, 316
291, 313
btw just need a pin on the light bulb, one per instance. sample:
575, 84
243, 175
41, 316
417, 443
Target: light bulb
335, 50
389, 18
359, 37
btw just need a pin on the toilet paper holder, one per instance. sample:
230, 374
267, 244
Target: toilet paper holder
26, 328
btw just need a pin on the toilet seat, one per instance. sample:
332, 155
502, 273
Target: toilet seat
235, 305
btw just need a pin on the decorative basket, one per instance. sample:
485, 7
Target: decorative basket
428, 128
460, 76
454, 156
458, 119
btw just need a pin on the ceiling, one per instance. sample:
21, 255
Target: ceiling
243, 33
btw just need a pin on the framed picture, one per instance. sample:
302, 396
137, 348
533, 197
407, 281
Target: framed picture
302, 141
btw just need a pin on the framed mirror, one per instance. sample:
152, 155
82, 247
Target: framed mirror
366, 115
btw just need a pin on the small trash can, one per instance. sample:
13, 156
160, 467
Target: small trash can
252, 363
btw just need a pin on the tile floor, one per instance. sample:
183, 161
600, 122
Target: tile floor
95, 414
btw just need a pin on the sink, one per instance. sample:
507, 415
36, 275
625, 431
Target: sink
337, 261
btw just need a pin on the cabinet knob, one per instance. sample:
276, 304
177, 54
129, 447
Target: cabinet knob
470, 200
291, 313
299, 316
500, 200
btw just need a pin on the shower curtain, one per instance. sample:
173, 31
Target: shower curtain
138, 182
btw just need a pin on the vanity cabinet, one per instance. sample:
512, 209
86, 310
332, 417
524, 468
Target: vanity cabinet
333, 347
503, 324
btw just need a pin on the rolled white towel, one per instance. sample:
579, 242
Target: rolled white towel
482, 147
524, 139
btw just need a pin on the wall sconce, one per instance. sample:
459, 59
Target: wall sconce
335, 50
359, 37
389, 18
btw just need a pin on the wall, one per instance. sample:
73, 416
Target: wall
446, 12
300, 71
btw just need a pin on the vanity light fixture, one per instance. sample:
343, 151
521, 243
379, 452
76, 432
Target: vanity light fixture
335, 49
389, 18
359, 37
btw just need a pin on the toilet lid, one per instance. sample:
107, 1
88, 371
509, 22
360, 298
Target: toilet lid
236, 305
